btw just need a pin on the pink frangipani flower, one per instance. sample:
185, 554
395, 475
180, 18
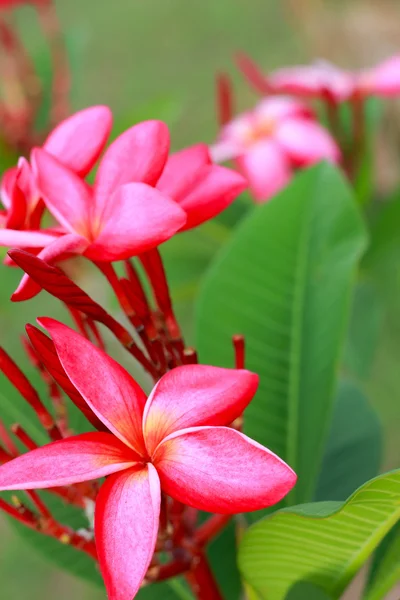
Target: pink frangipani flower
324, 80
269, 142
176, 441
77, 142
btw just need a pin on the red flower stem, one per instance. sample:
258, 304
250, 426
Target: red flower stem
153, 265
224, 99
53, 389
96, 333
38, 503
23, 437
142, 305
52, 30
6, 440
190, 356
4, 456
211, 528
239, 347
172, 569
28, 392
202, 581
190, 519
355, 156
253, 74
11, 511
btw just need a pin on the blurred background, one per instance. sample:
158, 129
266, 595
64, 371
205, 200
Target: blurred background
158, 59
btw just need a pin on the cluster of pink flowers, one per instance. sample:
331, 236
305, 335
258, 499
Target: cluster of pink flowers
282, 133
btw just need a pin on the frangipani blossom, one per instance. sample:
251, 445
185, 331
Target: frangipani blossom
176, 441
268, 143
77, 142
324, 80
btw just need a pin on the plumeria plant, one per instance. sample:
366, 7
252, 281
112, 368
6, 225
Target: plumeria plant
246, 464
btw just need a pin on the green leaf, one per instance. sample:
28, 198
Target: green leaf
354, 448
306, 591
385, 571
323, 543
284, 281
365, 327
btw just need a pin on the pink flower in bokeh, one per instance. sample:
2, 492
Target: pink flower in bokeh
325, 80
176, 441
269, 142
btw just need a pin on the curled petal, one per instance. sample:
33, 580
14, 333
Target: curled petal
79, 140
25, 239
266, 169
196, 395
137, 218
220, 470
306, 142
115, 398
60, 249
66, 196
138, 155
72, 460
126, 525
215, 190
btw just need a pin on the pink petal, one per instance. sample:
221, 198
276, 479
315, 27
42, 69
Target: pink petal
383, 80
16, 238
66, 196
216, 188
220, 470
266, 169
137, 218
7, 186
182, 170
196, 395
138, 155
306, 142
78, 141
278, 108
72, 460
116, 399
126, 526
225, 150
61, 248
314, 80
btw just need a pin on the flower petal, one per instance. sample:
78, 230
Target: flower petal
79, 140
278, 108
196, 395
138, 155
137, 218
66, 196
111, 393
60, 249
383, 80
75, 459
220, 470
266, 169
25, 239
306, 142
126, 525
182, 170
216, 188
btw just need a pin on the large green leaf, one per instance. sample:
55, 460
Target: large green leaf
323, 543
385, 571
354, 448
284, 280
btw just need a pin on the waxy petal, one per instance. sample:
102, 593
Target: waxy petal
136, 219
7, 186
278, 108
214, 191
60, 249
220, 470
182, 170
266, 169
116, 399
16, 238
126, 525
137, 155
73, 460
306, 142
79, 140
66, 195
383, 80
196, 395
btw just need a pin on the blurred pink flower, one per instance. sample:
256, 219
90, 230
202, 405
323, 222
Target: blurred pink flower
272, 140
323, 79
